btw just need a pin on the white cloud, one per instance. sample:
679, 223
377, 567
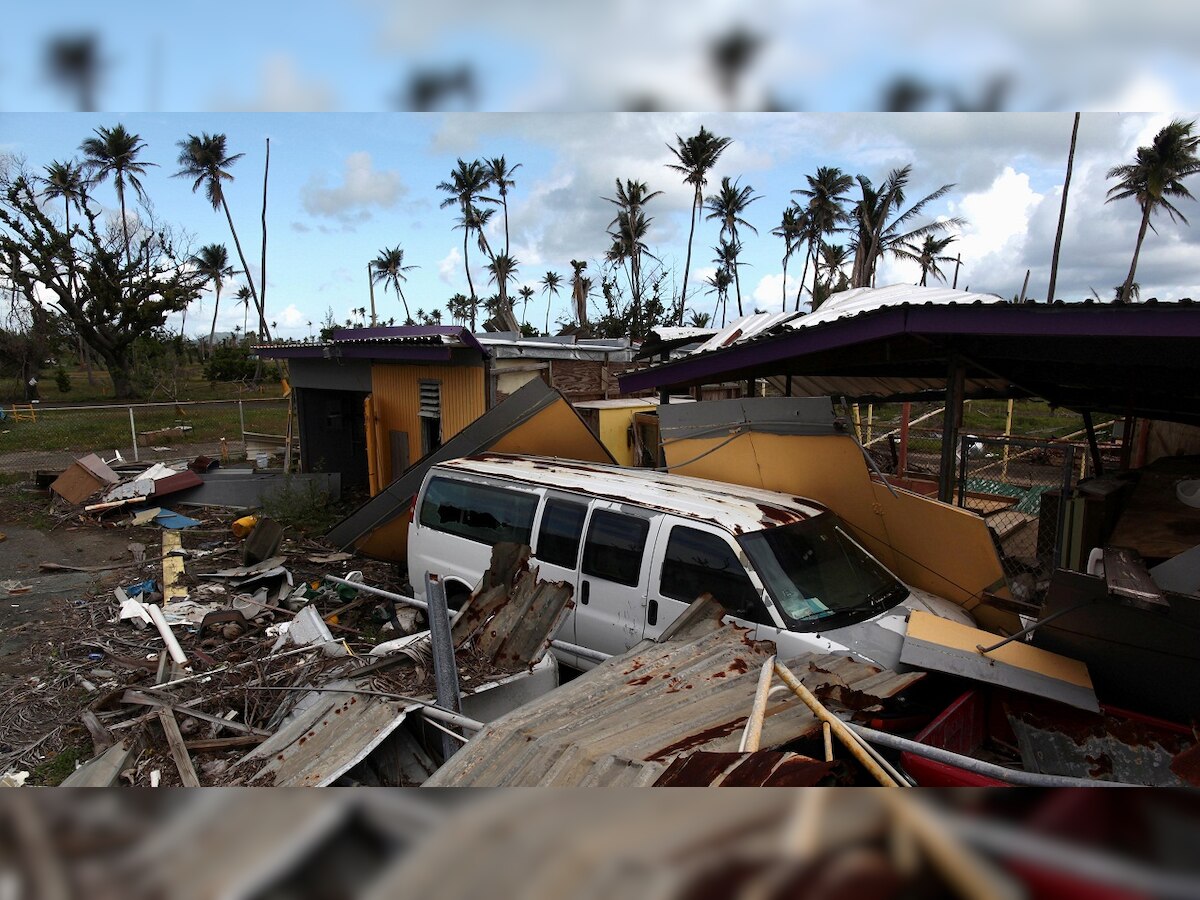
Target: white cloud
362, 188
449, 266
768, 294
281, 87
292, 316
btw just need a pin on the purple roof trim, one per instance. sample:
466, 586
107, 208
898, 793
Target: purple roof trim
1159, 320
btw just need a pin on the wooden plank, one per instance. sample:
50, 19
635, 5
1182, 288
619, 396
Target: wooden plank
226, 743
141, 698
1126, 576
172, 568
179, 753
102, 738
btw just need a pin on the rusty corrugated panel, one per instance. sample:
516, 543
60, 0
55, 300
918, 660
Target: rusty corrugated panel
763, 768
651, 705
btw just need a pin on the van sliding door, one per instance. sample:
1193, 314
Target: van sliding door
610, 608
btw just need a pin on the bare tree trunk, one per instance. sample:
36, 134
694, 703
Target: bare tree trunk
1062, 214
263, 332
467, 269
216, 307
803, 275
783, 308
262, 273
1137, 249
687, 265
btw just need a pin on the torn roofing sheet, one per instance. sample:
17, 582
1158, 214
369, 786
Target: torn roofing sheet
625, 720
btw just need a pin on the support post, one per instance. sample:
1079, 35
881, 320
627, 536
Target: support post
1093, 447
242, 418
1127, 442
951, 422
902, 462
445, 670
1007, 435
133, 435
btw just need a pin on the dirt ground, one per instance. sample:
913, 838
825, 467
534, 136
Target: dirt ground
33, 601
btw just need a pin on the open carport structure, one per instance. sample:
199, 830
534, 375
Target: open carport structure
917, 343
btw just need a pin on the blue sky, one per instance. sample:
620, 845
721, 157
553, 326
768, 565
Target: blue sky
345, 185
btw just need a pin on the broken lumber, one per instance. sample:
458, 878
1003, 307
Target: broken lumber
179, 753
142, 698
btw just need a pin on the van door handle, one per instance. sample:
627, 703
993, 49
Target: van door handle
583, 593
652, 613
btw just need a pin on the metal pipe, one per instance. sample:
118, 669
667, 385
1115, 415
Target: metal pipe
133, 435
445, 670
752, 733
1029, 629
839, 728
586, 653
379, 592
970, 764
160, 622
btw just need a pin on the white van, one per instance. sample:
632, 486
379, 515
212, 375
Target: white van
639, 546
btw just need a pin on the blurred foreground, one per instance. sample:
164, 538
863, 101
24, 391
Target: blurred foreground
626, 843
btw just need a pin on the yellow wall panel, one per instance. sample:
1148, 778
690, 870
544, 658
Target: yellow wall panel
555, 431
933, 546
396, 396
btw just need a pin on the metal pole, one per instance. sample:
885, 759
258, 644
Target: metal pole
951, 421
1060, 540
242, 419
964, 452
902, 464
133, 435
1007, 435
870, 420
445, 671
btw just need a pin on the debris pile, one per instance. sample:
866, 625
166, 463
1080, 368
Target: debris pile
249, 661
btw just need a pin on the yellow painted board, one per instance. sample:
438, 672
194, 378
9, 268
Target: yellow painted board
172, 568
923, 626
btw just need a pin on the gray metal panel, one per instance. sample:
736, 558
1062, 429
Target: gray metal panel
248, 491
331, 374
766, 415
393, 500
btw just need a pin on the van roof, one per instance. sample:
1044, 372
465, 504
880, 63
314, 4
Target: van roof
737, 508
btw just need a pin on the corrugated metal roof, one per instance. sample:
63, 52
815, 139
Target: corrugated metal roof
628, 718
844, 305
736, 507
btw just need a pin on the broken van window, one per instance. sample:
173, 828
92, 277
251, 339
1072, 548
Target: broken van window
818, 576
478, 512
697, 562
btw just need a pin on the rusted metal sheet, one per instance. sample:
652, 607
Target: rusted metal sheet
763, 768
1105, 748
661, 700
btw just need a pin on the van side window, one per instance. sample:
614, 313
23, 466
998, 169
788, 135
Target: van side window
562, 527
614, 547
478, 512
697, 562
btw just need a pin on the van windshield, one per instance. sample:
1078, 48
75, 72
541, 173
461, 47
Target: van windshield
818, 576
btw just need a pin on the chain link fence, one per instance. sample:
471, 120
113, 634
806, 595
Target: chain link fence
38, 437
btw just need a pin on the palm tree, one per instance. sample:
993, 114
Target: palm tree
580, 288
696, 157
206, 160
699, 319
878, 224
114, 151
526, 292
927, 255
212, 261
727, 205
500, 176
65, 180
825, 196
1154, 178
242, 295
503, 269
628, 231
467, 183
791, 228
719, 282
550, 283
388, 269
833, 258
